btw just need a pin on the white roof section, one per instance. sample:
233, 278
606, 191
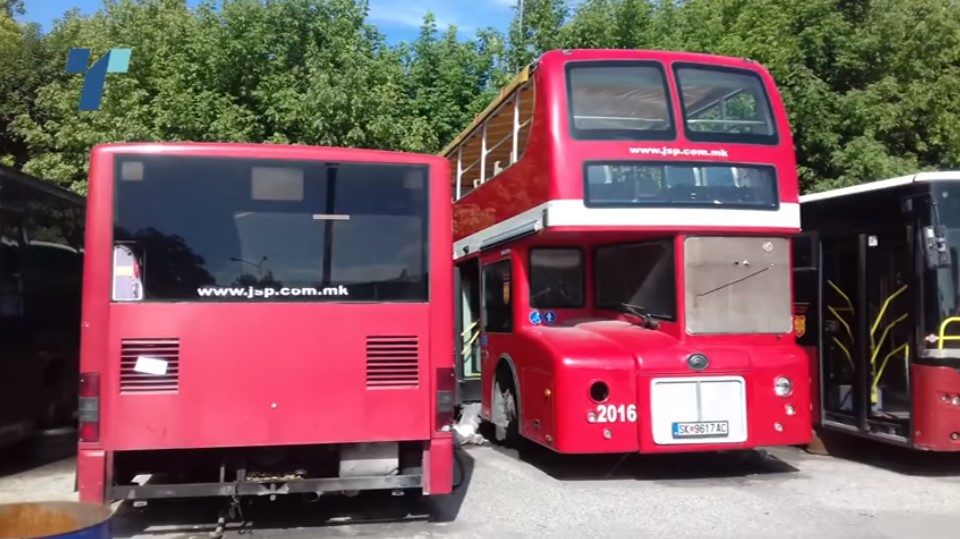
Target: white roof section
946, 175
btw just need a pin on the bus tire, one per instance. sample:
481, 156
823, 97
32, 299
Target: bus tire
506, 413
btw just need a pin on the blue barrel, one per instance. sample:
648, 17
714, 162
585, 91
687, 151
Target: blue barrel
55, 520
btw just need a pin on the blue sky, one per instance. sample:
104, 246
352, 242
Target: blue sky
398, 19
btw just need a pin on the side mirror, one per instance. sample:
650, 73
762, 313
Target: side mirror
935, 248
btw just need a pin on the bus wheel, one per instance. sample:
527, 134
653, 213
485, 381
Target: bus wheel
506, 418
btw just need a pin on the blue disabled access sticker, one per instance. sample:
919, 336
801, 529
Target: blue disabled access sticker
549, 317
535, 317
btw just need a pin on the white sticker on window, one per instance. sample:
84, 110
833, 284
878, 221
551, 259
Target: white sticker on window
131, 171
151, 365
277, 183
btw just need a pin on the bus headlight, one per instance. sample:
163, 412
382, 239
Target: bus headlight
782, 386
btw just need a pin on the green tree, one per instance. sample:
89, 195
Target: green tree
535, 30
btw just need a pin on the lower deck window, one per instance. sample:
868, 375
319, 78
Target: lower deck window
556, 278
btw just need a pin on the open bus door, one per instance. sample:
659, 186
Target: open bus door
468, 329
867, 331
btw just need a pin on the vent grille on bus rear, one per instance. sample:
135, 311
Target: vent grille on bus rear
393, 361
161, 357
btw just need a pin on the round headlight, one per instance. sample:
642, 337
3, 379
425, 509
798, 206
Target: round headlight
782, 386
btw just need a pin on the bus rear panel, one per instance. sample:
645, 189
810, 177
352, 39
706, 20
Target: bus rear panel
261, 320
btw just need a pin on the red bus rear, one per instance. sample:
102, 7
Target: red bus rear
622, 241
264, 319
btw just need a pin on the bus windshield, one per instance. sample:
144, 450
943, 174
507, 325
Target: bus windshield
942, 286
680, 184
215, 229
619, 101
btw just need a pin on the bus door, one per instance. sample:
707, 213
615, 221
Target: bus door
867, 331
468, 329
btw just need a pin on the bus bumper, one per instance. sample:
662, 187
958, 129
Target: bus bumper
91, 475
936, 419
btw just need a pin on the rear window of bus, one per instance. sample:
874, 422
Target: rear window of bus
217, 229
724, 105
619, 100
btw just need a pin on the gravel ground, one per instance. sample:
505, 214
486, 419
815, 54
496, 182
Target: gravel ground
869, 491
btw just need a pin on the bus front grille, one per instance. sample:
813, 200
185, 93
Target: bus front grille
149, 365
393, 361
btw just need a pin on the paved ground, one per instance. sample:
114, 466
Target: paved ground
870, 491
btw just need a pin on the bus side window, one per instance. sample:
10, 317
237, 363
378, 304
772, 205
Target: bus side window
497, 297
556, 278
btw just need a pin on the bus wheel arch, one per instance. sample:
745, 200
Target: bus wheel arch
505, 402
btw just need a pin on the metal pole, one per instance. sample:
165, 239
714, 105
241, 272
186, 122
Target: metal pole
520, 8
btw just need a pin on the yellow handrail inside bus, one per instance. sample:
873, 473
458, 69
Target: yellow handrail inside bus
469, 329
883, 338
943, 337
846, 352
842, 321
844, 296
876, 379
883, 310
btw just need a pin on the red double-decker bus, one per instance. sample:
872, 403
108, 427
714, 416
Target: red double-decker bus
265, 319
622, 231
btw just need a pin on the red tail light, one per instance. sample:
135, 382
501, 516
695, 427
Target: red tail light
89, 407
446, 397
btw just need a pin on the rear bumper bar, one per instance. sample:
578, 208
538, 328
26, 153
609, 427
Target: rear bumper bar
256, 488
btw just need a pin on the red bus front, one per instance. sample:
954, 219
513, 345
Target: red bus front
634, 256
264, 319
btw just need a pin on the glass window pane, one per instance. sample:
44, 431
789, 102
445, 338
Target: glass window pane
619, 101
724, 105
556, 278
637, 275
215, 229
497, 298
681, 184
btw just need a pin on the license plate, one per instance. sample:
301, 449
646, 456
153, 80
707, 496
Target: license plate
701, 429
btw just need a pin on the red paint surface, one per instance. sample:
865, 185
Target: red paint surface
935, 418
262, 374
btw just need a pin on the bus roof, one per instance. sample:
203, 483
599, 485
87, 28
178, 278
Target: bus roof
265, 150
947, 175
40, 184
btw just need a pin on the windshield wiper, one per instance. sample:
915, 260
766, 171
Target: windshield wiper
643, 313
733, 282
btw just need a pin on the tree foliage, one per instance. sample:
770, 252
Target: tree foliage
872, 86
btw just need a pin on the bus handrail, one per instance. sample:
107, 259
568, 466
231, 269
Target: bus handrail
883, 310
943, 337
842, 321
876, 378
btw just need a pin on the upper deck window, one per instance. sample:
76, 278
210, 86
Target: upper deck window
725, 105
619, 100
632, 183
218, 229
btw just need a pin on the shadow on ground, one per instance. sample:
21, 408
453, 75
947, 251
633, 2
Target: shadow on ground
44, 448
686, 466
889, 457
296, 514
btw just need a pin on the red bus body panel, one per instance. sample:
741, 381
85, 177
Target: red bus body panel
554, 365
936, 420
262, 374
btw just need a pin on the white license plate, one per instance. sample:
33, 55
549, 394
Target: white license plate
701, 429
